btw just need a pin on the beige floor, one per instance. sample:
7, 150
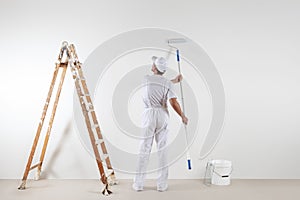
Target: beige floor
178, 189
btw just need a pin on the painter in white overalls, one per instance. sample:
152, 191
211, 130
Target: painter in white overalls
157, 91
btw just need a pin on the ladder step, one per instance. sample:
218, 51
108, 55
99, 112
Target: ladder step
35, 166
109, 172
95, 125
99, 141
78, 77
72, 66
75, 75
87, 95
90, 107
84, 95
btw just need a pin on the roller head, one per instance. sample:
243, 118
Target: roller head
176, 40
172, 43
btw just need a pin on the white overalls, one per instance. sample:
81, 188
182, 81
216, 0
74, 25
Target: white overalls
157, 90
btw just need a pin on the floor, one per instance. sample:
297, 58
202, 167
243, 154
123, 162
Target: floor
178, 189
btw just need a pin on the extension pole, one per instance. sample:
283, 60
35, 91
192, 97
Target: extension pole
183, 110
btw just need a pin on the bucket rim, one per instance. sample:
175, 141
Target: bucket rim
221, 162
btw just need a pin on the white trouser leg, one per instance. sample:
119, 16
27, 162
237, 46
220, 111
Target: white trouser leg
161, 141
155, 124
145, 148
161, 136
143, 159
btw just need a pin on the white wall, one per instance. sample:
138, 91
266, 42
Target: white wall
254, 44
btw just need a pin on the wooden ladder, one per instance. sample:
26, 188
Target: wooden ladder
68, 58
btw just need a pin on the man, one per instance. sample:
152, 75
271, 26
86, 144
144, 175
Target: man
157, 90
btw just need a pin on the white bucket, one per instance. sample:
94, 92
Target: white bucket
220, 172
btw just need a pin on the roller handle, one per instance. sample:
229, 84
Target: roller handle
178, 57
189, 164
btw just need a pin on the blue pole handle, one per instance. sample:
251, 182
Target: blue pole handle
178, 57
189, 164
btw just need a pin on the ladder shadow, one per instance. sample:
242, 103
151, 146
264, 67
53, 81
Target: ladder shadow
59, 147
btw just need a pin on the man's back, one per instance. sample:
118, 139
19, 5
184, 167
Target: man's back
157, 90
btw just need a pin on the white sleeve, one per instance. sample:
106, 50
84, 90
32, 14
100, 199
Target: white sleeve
145, 79
144, 86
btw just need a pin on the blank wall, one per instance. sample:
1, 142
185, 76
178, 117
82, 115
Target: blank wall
254, 44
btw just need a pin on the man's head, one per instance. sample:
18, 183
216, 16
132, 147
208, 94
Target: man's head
159, 65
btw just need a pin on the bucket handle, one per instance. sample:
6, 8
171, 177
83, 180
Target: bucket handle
223, 176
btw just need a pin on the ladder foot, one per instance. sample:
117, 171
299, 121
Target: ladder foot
37, 175
111, 179
106, 190
22, 186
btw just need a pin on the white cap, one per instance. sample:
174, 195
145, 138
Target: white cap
160, 63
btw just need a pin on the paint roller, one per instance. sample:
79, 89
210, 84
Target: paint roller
171, 43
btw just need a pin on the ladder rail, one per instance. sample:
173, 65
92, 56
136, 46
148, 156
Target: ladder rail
39, 129
62, 78
82, 79
90, 131
94, 117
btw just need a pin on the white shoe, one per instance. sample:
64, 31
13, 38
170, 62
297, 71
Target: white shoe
137, 188
162, 188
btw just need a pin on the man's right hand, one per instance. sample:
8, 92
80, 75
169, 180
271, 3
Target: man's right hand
184, 120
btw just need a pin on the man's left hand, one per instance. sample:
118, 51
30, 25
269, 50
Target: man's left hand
177, 79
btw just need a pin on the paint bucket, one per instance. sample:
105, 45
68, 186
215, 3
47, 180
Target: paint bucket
220, 172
